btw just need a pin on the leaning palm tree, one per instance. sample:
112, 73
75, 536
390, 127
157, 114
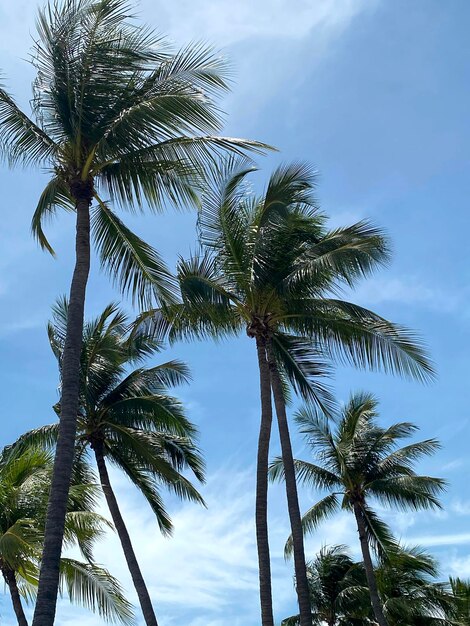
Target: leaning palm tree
128, 419
357, 462
25, 477
115, 112
270, 267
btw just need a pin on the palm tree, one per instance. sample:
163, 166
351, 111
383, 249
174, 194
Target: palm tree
127, 418
269, 267
461, 592
25, 477
406, 580
358, 461
336, 590
115, 112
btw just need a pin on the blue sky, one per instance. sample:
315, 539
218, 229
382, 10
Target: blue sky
376, 95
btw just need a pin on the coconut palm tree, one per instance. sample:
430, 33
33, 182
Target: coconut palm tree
25, 477
115, 113
270, 267
128, 419
336, 585
357, 462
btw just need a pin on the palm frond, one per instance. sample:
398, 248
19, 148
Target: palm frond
304, 368
307, 474
323, 509
409, 492
54, 196
93, 587
351, 334
379, 535
132, 263
21, 139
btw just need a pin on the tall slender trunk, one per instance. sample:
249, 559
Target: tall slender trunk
45, 609
303, 592
10, 580
369, 568
132, 564
261, 506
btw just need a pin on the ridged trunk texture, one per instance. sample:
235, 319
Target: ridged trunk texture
10, 580
131, 559
301, 582
261, 507
44, 613
369, 568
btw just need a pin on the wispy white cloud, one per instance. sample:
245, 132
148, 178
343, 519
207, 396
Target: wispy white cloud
226, 23
460, 507
410, 290
454, 464
459, 566
208, 569
451, 539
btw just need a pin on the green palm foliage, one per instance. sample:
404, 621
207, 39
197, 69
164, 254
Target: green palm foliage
25, 476
406, 580
336, 586
270, 267
357, 462
128, 419
116, 115
461, 592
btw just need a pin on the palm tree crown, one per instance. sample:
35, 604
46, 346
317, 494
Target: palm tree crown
360, 461
128, 414
269, 265
116, 113
406, 579
333, 577
25, 476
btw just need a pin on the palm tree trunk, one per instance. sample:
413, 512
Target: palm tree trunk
132, 564
10, 580
45, 609
369, 568
261, 506
301, 581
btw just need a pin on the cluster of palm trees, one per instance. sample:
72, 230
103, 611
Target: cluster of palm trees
120, 120
410, 593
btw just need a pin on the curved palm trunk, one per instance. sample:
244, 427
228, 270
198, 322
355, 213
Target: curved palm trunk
369, 568
261, 506
303, 592
10, 580
131, 559
44, 613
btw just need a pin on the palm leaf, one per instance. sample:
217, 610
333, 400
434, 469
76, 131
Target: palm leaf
130, 261
320, 511
93, 587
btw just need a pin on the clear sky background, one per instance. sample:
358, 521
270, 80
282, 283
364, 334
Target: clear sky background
374, 93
